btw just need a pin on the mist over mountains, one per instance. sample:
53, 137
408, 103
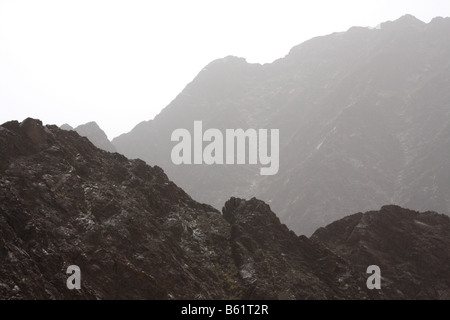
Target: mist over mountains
94, 133
364, 121
364, 179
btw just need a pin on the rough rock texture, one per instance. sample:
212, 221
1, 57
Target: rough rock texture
64, 202
133, 233
412, 249
274, 263
136, 235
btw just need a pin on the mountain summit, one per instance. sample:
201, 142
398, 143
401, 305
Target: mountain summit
363, 115
94, 133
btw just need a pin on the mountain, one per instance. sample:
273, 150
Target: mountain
136, 235
94, 133
66, 127
364, 120
411, 248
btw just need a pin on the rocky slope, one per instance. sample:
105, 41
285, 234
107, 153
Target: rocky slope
136, 235
411, 249
363, 115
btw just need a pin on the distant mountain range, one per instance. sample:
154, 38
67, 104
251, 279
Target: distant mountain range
94, 133
364, 120
136, 235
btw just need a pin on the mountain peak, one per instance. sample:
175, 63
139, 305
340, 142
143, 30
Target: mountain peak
91, 124
226, 62
440, 19
395, 236
232, 59
441, 23
332, 98
253, 211
66, 127
409, 18
96, 135
406, 21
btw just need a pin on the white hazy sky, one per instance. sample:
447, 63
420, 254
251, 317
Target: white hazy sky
120, 62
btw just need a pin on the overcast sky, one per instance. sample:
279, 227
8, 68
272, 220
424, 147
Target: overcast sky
120, 62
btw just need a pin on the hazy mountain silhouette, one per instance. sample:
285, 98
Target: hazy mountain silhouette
364, 119
66, 127
94, 133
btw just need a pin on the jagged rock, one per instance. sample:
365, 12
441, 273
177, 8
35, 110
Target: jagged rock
136, 235
64, 201
411, 248
274, 263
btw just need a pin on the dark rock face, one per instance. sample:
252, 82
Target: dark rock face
274, 263
133, 233
136, 235
94, 133
411, 248
363, 117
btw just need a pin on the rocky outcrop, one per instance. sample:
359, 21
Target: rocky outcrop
274, 263
411, 249
65, 202
136, 235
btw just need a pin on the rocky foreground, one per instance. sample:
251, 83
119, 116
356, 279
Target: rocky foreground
136, 235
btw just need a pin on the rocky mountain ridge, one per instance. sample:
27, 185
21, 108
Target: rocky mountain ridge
94, 133
136, 235
363, 115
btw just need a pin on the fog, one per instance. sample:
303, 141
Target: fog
120, 62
